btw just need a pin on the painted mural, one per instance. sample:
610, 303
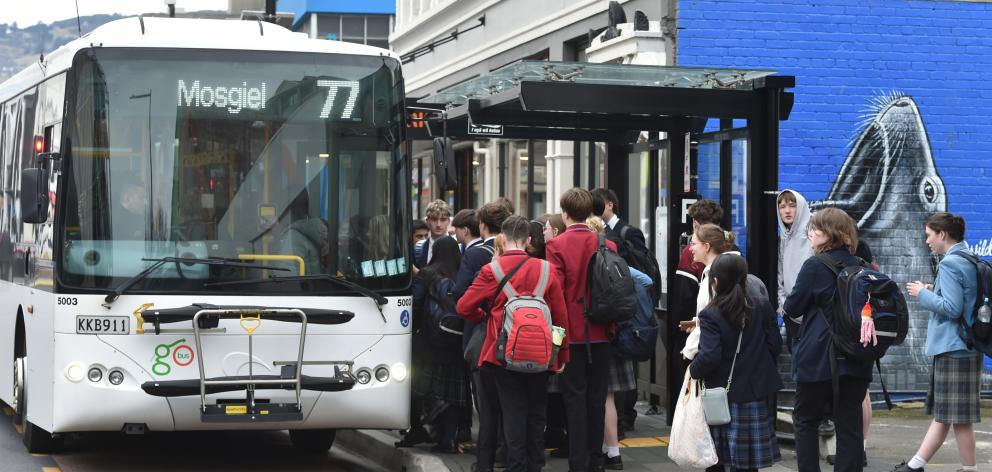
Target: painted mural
889, 184
888, 158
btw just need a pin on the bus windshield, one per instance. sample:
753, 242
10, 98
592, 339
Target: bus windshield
285, 160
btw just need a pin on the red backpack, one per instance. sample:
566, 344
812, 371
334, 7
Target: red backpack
524, 341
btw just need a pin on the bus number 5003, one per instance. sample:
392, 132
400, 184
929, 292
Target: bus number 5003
68, 301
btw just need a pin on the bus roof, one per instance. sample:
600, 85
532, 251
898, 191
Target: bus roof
159, 32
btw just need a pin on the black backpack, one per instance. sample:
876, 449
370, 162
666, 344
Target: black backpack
610, 295
640, 258
979, 335
856, 286
443, 325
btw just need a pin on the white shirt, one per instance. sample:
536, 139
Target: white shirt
472, 243
613, 221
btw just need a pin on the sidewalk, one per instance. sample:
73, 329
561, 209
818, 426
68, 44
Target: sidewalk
893, 438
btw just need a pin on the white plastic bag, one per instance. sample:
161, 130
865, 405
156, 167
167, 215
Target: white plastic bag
690, 444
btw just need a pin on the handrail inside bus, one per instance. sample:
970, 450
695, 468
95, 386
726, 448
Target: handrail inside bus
275, 257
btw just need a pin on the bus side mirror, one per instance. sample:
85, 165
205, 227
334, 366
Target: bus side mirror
444, 165
34, 196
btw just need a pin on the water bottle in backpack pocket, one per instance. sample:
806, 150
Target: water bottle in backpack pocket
978, 336
524, 343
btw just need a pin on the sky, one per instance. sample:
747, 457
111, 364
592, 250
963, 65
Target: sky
30, 12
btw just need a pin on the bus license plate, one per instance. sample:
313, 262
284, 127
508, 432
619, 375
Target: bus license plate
103, 325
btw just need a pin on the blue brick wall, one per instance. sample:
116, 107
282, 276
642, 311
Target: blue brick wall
845, 55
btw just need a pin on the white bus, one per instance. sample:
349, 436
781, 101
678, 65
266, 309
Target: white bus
204, 225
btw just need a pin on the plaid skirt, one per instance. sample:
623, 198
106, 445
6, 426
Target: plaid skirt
446, 382
953, 397
748, 442
621, 375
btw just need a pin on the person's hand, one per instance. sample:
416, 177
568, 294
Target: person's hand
415, 270
914, 288
687, 326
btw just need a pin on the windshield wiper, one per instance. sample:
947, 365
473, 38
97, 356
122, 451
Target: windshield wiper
178, 260
377, 298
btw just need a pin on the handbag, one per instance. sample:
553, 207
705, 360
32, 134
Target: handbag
473, 348
690, 443
715, 405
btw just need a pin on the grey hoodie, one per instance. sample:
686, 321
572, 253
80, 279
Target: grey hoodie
793, 246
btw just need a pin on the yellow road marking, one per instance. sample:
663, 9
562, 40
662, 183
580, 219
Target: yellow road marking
51, 469
40, 455
7, 411
657, 441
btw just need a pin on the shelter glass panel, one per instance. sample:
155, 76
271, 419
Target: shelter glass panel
606, 74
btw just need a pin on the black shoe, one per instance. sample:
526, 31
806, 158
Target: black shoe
445, 447
904, 467
561, 452
500, 461
613, 463
831, 459
464, 435
413, 437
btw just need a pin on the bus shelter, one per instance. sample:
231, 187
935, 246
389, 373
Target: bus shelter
672, 135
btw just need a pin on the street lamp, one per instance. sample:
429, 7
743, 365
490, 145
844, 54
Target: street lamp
172, 7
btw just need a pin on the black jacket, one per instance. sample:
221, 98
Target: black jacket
812, 298
755, 374
472, 261
634, 235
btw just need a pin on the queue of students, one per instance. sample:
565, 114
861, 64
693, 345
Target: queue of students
582, 402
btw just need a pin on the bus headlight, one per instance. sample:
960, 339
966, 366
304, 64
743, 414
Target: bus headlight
95, 374
115, 377
399, 371
381, 374
75, 372
363, 376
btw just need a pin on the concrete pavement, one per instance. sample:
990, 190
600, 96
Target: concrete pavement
893, 438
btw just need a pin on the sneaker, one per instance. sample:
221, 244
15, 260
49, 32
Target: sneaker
904, 467
826, 428
613, 463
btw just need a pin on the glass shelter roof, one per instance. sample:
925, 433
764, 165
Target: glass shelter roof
513, 75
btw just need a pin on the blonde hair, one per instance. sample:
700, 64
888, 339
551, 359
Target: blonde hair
438, 209
596, 224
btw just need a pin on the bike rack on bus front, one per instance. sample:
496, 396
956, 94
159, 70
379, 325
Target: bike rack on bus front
291, 377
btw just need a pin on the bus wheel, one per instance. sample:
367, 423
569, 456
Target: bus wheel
36, 440
312, 440
18, 401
